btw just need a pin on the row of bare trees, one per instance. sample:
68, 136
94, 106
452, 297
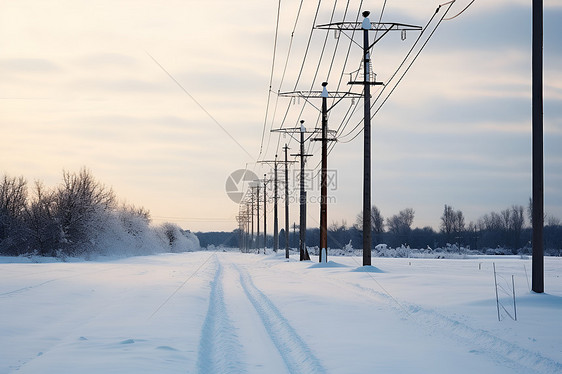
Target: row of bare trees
79, 217
507, 229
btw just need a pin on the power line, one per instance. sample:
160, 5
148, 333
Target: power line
199, 104
461, 12
399, 67
319, 61
333, 58
283, 75
270, 76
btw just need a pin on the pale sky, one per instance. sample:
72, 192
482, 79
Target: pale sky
78, 87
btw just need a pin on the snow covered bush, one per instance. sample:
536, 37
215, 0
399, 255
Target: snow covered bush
402, 251
177, 239
348, 247
82, 206
80, 217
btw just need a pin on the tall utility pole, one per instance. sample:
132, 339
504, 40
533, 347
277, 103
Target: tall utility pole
255, 187
275, 201
258, 214
252, 201
240, 235
275, 212
243, 219
324, 178
264, 213
538, 156
285, 148
367, 26
324, 95
302, 196
302, 199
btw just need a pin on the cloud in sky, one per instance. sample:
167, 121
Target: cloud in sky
78, 89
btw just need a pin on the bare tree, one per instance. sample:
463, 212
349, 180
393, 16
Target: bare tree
552, 221
377, 221
44, 231
401, 223
13, 201
452, 222
81, 203
516, 224
447, 220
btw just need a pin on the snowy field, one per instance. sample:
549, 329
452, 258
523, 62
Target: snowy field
216, 312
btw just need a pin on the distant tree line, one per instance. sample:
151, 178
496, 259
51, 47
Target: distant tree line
218, 238
504, 232
79, 217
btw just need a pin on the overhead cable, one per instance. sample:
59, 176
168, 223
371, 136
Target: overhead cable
461, 12
270, 76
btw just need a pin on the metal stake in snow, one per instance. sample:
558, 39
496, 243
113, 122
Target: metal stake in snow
496, 287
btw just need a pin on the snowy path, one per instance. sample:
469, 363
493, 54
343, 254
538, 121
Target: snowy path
295, 353
209, 312
252, 315
219, 348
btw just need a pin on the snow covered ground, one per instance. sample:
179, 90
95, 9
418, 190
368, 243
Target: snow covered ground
216, 312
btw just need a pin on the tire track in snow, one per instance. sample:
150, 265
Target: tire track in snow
481, 341
293, 350
219, 349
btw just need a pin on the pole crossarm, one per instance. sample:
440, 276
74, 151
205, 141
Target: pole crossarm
375, 26
306, 95
268, 162
278, 161
384, 27
293, 130
318, 94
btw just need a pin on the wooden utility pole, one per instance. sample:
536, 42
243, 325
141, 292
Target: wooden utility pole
258, 216
538, 155
275, 210
302, 199
302, 196
367, 26
324, 178
276, 200
255, 188
252, 201
324, 95
287, 228
264, 213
